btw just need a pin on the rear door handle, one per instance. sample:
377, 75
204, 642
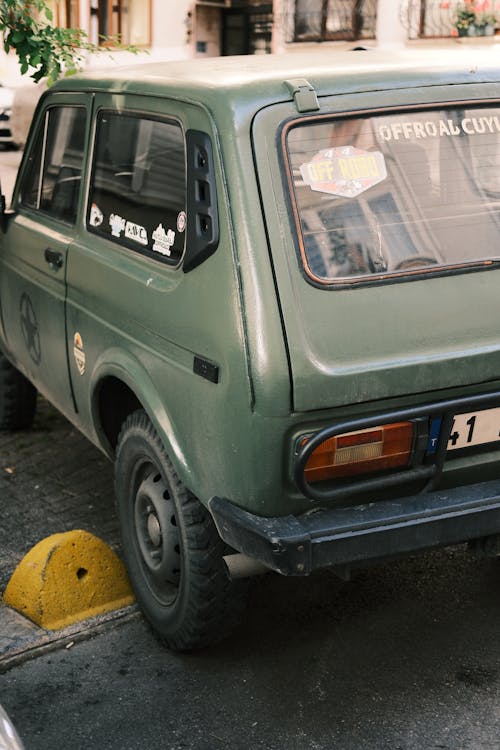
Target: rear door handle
54, 258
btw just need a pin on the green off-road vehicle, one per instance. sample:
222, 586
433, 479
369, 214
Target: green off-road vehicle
268, 289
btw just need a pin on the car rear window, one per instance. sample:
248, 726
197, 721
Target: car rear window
390, 195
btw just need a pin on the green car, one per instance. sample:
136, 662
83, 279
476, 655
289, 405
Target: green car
265, 287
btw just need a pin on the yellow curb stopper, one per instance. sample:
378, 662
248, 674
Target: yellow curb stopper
67, 578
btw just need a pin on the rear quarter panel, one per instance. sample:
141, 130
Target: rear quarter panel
143, 322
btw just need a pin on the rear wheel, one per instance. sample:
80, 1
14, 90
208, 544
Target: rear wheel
171, 546
17, 398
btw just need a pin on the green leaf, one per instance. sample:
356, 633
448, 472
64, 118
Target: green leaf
53, 51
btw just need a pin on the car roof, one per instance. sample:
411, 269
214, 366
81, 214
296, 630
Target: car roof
257, 80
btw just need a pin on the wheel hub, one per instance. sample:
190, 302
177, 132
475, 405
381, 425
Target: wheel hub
154, 529
157, 535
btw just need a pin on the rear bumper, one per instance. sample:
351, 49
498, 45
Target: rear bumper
298, 545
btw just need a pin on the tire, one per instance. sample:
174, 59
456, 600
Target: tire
17, 398
171, 546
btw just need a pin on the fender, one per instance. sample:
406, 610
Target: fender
129, 370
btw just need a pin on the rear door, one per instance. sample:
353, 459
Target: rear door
387, 251
35, 247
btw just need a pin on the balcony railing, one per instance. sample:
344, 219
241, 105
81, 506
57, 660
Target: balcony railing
438, 18
335, 19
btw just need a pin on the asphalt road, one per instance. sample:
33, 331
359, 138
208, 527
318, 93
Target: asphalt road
403, 657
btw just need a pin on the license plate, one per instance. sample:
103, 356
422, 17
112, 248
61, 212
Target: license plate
475, 428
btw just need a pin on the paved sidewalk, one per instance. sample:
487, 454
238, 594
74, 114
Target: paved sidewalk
51, 480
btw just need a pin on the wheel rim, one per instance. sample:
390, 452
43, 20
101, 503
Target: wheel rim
158, 538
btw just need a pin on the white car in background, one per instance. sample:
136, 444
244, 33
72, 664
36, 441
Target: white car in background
6, 102
9, 739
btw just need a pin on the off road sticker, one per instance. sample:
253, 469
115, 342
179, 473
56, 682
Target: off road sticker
29, 328
163, 240
418, 129
79, 353
345, 171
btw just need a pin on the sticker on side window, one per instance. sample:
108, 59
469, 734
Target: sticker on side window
117, 224
345, 171
163, 240
136, 232
96, 216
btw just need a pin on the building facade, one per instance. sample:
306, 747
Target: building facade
222, 27
158, 26
176, 29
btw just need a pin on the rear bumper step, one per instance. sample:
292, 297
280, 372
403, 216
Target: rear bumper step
298, 545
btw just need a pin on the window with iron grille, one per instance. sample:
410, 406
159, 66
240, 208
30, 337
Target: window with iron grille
323, 20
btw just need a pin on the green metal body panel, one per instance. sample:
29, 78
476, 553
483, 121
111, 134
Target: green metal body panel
33, 295
363, 344
291, 357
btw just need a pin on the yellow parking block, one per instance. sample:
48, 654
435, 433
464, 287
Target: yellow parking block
67, 578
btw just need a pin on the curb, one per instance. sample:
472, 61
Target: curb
30, 641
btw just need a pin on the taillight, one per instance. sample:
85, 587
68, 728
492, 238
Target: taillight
361, 452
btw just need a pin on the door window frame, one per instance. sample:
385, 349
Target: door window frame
70, 101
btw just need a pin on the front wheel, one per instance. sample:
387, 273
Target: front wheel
171, 546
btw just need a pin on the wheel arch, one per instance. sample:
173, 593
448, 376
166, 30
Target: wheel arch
114, 400
120, 386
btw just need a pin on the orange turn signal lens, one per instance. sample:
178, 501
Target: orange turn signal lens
362, 452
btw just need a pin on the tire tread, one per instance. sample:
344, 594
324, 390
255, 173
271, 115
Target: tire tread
214, 603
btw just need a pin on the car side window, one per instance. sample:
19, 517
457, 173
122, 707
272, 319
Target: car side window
52, 180
138, 189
